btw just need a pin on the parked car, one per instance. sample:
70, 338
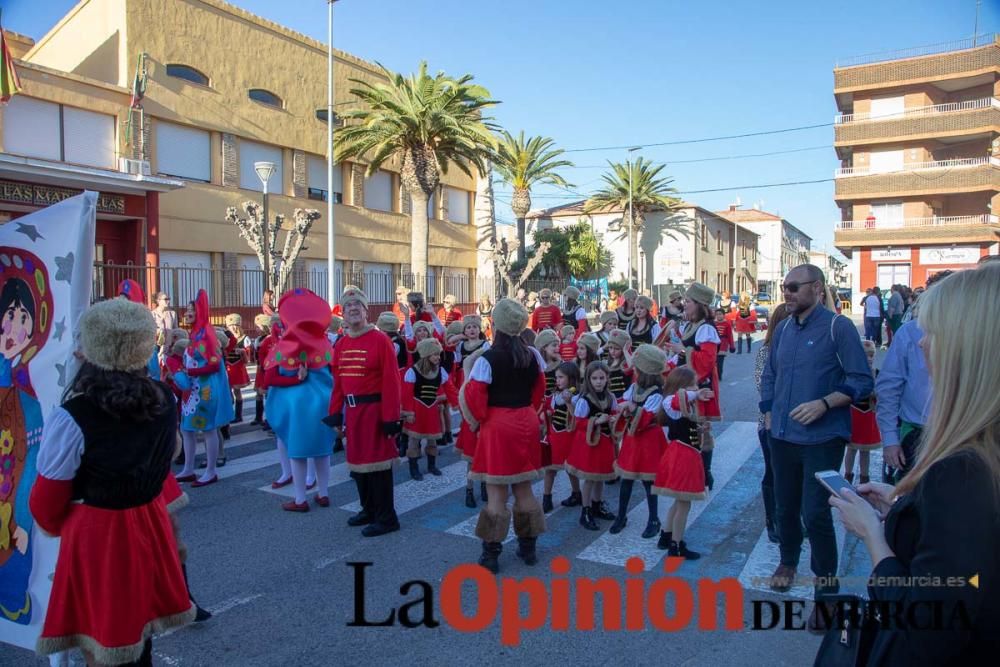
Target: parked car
763, 298
763, 315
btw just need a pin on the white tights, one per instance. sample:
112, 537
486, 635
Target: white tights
321, 464
190, 442
286, 465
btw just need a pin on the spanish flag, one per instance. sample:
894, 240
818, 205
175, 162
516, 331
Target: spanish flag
10, 85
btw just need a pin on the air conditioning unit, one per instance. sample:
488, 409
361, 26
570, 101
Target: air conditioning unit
134, 167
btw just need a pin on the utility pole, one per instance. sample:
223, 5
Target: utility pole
331, 121
631, 217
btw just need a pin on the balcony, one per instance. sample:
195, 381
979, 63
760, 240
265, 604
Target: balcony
940, 120
952, 229
965, 58
921, 178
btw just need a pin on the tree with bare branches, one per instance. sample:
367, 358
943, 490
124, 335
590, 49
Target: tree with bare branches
251, 229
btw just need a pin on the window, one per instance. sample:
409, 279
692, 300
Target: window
378, 191
187, 73
266, 97
743, 249
881, 162
250, 152
703, 233
322, 115
704, 278
458, 205
183, 151
89, 138
887, 107
32, 128
316, 179
432, 210
718, 241
886, 214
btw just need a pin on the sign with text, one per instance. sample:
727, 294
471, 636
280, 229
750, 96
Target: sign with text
891, 255
949, 255
46, 195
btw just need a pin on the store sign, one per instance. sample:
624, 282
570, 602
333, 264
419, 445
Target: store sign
949, 255
45, 195
890, 255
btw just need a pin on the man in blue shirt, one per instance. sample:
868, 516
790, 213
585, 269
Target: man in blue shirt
815, 370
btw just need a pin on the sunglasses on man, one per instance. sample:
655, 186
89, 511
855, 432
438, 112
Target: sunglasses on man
792, 288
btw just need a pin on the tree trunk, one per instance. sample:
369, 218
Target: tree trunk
419, 238
520, 204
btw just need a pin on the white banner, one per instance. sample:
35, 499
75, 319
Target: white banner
949, 255
46, 261
890, 255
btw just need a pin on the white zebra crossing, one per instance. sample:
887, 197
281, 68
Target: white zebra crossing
412, 494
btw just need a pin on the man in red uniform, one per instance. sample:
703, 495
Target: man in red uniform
546, 315
401, 293
449, 313
367, 383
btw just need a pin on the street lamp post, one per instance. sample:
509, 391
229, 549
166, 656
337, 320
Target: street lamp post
264, 172
631, 216
331, 122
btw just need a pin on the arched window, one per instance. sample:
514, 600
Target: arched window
321, 115
266, 97
187, 73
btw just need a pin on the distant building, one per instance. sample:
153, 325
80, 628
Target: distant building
836, 269
918, 137
782, 244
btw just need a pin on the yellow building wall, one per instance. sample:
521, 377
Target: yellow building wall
91, 41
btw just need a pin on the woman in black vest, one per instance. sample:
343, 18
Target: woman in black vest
104, 456
500, 399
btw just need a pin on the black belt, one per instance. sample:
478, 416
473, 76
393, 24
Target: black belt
354, 400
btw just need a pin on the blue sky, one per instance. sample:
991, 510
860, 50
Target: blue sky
592, 74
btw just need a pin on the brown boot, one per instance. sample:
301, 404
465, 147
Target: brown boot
817, 623
782, 578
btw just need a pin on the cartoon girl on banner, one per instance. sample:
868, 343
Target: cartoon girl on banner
25, 321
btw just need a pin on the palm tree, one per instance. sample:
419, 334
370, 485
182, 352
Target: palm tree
588, 258
524, 163
649, 192
428, 122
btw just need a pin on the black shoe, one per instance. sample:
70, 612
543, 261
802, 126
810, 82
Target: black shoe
482, 491
376, 529
665, 539
256, 422
620, 522
338, 445
574, 500
470, 498
490, 558
401, 444
526, 550
225, 432
546, 502
221, 461
238, 420
362, 518
680, 549
706, 462
267, 427
772, 533
587, 519
611, 481
204, 464
415, 470
180, 459
600, 511
652, 529
432, 466
201, 615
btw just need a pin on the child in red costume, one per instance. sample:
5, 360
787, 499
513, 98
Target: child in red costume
725, 330
744, 324
865, 435
426, 392
558, 422
237, 356
546, 315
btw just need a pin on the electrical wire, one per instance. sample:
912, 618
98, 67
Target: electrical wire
699, 141
716, 159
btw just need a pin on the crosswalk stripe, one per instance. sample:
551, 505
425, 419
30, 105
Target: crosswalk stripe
736, 444
339, 474
560, 488
412, 494
248, 464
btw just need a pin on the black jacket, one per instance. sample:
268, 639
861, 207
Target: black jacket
949, 526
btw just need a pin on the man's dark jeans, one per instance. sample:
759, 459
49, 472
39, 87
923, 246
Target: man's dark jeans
798, 494
873, 329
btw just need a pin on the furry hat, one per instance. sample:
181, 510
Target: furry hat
402, 289
118, 335
414, 296
449, 300
630, 294
455, 328
644, 302
674, 296
544, 338
179, 334
234, 319
571, 292
222, 336
352, 293
620, 338
469, 320
261, 321
423, 325
336, 322
180, 346
567, 330
427, 347
608, 316
545, 292
589, 341
509, 316
649, 359
387, 322
703, 294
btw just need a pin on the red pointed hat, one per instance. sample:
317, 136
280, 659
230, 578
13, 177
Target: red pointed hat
132, 290
203, 339
305, 317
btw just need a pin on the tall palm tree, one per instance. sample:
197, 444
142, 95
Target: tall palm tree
649, 192
524, 163
428, 122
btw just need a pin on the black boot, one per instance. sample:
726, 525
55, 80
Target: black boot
611, 481
652, 528
258, 411
401, 444
600, 511
665, 540
680, 549
490, 558
772, 531
238, 404
620, 522
200, 614
470, 498
739, 345
706, 462
482, 491
546, 502
574, 500
415, 469
338, 445
587, 519
526, 550
432, 466
225, 432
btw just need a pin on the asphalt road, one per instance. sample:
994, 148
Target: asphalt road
283, 593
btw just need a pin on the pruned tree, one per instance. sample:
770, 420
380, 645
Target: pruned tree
505, 259
280, 264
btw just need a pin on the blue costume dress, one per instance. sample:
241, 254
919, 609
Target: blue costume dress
291, 411
207, 403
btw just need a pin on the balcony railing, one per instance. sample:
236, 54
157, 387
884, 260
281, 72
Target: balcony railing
960, 163
906, 223
917, 51
920, 111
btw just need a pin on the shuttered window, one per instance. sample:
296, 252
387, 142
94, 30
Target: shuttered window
89, 138
31, 128
183, 151
317, 180
458, 205
378, 191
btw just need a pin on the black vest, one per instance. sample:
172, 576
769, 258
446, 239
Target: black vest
619, 381
684, 430
237, 353
448, 360
560, 418
569, 319
639, 339
510, 387
597, 411
123, 463
401, 356
623, 319
550, 382
425, 390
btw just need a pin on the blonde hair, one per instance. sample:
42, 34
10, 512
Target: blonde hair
965, 405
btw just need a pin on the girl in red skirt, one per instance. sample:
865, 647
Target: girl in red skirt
567, 347
237, 355
547, 344
643, 442
559, 429
501, 399
681, 474
619, 363
745, 324
865, 435
467, 440
592, 457
426, 392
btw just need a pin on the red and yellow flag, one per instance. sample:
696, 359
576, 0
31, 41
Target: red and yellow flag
10, 84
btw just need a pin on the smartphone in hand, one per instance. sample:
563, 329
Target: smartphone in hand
834, 481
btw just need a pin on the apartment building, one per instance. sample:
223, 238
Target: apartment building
837, 271
225, 89
918, 137
782, 245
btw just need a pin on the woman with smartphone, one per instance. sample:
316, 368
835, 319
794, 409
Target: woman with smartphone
941, 520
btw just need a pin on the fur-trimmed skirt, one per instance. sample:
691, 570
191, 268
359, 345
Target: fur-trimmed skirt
560, 445
591, 462
865, 435
428, 422
640, 454
681, 473
509, 448
466, 442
